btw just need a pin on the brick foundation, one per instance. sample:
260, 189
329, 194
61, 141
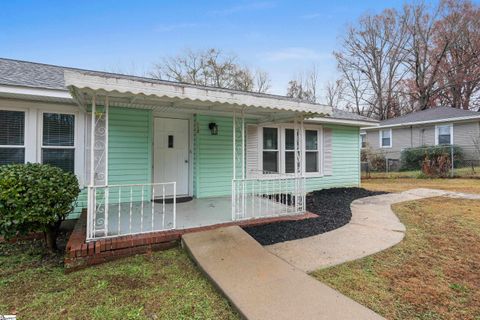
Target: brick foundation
80, 254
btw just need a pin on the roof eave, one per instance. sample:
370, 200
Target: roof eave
34, 93
407, 124
82, 81
347, 122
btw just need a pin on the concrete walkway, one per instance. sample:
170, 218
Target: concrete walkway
373, 228
262, 286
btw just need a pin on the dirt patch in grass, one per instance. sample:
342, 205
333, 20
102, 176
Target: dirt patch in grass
434, 273
163, 285
402, 184
332, 207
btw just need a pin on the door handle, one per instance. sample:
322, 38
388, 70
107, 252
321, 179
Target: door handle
186, 161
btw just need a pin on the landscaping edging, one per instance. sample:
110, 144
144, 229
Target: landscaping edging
332, 207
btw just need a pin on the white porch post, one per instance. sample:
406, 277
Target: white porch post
243, 144
92, 142
91, 190
238, 153
299, 164
105, 170
99, 123
234, 195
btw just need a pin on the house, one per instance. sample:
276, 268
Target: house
431, 127
155, 155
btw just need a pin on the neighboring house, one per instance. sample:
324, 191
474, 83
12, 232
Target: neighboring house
431, 127
239, 155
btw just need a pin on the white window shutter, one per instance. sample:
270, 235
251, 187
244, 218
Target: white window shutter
252, 160
327, 152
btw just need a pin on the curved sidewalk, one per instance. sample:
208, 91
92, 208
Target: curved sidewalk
373, 228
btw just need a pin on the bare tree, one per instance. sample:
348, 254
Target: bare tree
460, 69
296, 89
424, 58
355, 90
373, 49
305, 85
334, 93
262, 81
211, 67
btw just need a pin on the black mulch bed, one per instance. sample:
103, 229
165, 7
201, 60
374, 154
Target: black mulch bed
332, 207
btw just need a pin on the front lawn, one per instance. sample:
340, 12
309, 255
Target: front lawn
164, 285
402, 184
434, 273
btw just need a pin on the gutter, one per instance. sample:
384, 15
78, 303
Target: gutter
356, 123
35, 92
406, 124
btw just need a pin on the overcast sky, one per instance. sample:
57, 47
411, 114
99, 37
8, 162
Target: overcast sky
280, 37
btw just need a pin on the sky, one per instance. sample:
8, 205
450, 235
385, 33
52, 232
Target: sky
284, 38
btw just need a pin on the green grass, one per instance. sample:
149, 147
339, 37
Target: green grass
402, 184
163, 285
465, 172
434, 273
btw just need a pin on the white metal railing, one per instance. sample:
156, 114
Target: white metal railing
267, 197
125, 209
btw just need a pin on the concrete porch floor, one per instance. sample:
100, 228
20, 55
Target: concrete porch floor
126, 218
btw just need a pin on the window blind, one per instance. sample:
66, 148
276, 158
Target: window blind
59, 140
12, 135
12, 127
58, 129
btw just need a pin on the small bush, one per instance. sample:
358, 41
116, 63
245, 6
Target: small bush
35, 197
413, 158
376, 161
437, 166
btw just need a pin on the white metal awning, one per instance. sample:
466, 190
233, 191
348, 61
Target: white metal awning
136, 92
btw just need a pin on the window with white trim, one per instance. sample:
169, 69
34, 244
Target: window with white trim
58, 140
289, 151
270, 150
386, 138
312, 151
444, 134
12, 137
363, 139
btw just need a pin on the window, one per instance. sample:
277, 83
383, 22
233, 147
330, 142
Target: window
386, 138
363, 139
12, 137
444, 134
58, 140
289, 151
278, 154
311, 151
270, 150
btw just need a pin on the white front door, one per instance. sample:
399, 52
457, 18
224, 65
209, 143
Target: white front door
170, 154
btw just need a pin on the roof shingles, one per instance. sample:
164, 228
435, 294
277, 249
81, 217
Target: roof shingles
38, 75
434, 114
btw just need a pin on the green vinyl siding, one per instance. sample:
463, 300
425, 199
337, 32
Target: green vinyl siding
79, 204
129, 154
213, 159
346, 160
129, 146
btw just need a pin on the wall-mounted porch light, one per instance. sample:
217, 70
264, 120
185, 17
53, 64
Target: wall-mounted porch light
213, 128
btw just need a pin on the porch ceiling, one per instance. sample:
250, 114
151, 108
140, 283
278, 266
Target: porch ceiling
168, 96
